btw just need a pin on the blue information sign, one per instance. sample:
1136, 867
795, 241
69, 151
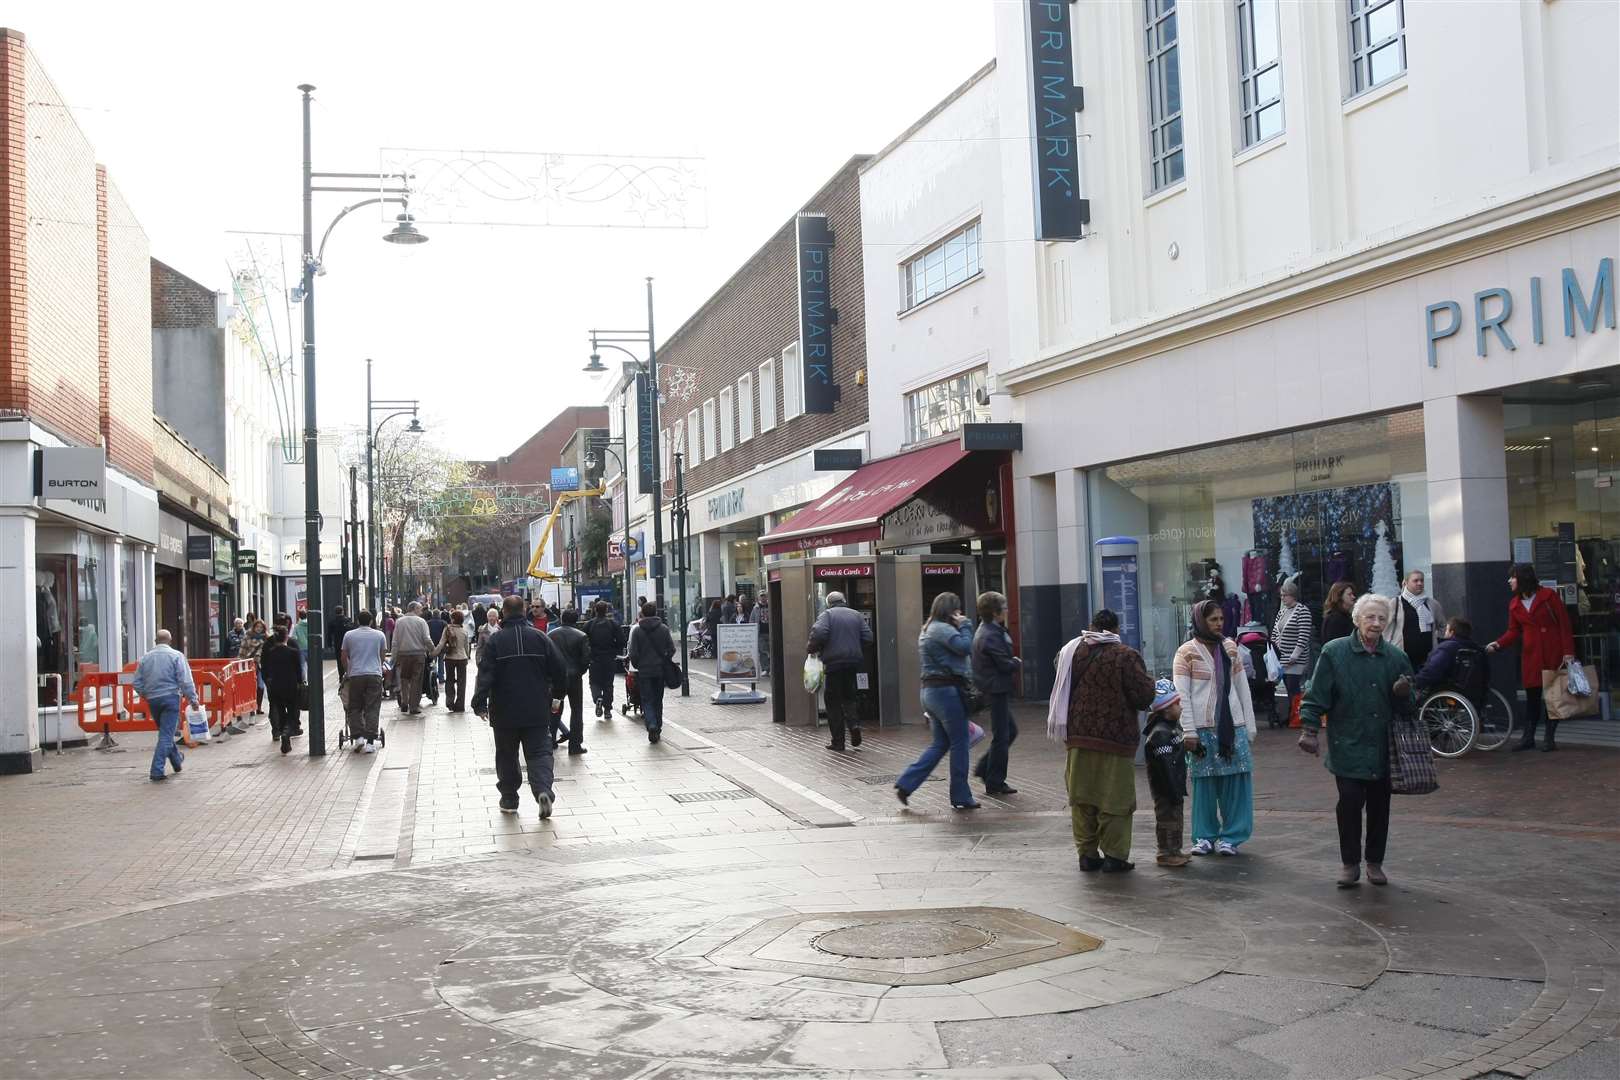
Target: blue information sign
565, 479
1120, 577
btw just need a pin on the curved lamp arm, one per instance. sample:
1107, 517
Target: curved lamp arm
320, 254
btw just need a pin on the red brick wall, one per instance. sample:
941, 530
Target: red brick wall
754, 317
180, 303
13, 223
532, 462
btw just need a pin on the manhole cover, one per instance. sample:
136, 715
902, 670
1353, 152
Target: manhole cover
903, 940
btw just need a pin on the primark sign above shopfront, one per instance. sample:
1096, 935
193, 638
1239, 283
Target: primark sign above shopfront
1507, 315
1060, 211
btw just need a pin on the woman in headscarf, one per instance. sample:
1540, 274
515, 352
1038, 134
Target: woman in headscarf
1217, 722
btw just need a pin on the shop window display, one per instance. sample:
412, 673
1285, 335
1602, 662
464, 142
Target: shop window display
66, 613
1234, 522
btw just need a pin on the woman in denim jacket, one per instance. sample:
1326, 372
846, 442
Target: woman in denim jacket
945, 645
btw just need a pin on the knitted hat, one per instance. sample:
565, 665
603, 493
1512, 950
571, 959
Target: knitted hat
1165, 695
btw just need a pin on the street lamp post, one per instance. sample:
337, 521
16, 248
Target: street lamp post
682, 524
393, 407
611, 338
606, 446
404, 232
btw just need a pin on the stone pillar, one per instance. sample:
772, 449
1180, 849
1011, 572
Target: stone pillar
1073, 553
1040, 605
19, 695
1466, 459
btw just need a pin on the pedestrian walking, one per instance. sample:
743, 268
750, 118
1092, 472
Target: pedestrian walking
436, 621
363, 649
412, 644
164, 679
1102, 684
233, 639
1416, 621
994, 667
298, 632
1538, 622
522, 672
1217, 724
651, 651
944, 646
1291, 635
840, 636
602, 633
1167, 771
477, 623
762, 616
1363, 682
1336, 622
575, 647
728, 609
455, 650
252, 649
283, 675
336, 627
492, 623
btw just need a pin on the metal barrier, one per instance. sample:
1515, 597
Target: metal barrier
100, 695
43, 679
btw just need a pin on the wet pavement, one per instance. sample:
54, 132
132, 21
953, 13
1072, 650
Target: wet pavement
738, 901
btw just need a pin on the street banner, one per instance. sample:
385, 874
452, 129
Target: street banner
737, 649
646, 436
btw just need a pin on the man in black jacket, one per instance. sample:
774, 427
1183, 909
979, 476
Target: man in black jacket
651, 651
520, 673
576, 650
433, 670
335, 629
603, 634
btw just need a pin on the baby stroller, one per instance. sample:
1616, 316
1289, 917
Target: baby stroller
344, 734
1255, 641
703, 648
631, 705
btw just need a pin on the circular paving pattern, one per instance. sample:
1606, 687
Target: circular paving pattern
900, 939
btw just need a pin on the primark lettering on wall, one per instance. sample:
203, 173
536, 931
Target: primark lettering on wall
1493, 312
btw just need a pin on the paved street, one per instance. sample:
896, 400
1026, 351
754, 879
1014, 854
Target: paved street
738, 902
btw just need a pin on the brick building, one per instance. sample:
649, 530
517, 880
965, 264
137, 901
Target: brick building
75, 372
733, 391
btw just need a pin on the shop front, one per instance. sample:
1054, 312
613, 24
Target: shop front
193, 587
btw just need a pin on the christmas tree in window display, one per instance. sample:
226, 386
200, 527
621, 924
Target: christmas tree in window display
1385, 580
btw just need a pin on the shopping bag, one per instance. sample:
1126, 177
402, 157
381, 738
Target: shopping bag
1579, 684
1562, 704
303, 697
1411, 760
197, 723
1273, 666
672, 675
815, 673
1293, 710
975, 733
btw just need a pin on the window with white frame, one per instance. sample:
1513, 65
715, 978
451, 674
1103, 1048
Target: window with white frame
942, 407
666, 462
1259, 70
1377, 42
1163, 93
792, 382
678, 444
711, 445
950, 262
694, 438
745, 408
728, 418
767, 396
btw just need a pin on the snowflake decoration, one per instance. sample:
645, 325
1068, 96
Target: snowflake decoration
680, 383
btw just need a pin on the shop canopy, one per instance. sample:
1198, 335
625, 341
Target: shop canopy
853, 512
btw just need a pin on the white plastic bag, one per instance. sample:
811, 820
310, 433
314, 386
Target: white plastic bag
1579, 685
975, 733
196, 720
815, 673
1273, 666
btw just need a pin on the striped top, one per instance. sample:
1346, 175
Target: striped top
1291, 635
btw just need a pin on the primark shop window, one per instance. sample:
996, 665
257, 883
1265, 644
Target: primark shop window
1563, 469
1346, 501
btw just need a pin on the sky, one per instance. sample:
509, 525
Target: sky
194, 110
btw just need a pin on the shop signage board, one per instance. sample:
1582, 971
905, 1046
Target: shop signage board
247, 561
71, 472
737, 664
1060, 212
816, 314
646, 436
1571, 305
171, 547
224, 562
992, 436
823, 573
726, 503
200, 547
837, 460
941, 569
565, 479
966, 502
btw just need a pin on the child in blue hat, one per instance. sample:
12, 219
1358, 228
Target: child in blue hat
1167, 771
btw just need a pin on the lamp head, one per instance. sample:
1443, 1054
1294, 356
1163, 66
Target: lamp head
416, 427
596, 369
405, 231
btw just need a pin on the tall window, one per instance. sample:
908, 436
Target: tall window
1260, 69
695, 438
711, 445
943, 407
1164, 92
728, 428
950, 262
679, 445
745, 408
792, 382
767, 395
1377, 42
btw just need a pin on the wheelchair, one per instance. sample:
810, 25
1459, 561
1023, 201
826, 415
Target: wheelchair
1457, 722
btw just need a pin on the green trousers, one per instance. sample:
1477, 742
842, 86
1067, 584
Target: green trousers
1102, 799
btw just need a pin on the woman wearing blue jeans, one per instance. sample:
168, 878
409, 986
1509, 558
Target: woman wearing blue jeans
945, 644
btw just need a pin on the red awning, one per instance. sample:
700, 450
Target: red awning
852, 513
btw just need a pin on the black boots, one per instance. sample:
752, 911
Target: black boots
1552, 728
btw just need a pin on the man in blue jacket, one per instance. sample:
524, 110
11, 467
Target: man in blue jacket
164, 679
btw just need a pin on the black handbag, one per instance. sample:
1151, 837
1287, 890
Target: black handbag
673, 676
974, 700
303, 697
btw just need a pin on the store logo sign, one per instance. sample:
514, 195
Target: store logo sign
1494, 307
816, 314
726, 504
71, 472
1060, 212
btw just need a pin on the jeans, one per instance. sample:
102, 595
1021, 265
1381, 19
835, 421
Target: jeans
303, 663
1354, 797
603, 668
992, 766
455, 685
536, 743
651, 685
943, 704
842, 705
166, 713
576, 718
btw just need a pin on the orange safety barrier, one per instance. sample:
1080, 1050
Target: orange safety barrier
229, 688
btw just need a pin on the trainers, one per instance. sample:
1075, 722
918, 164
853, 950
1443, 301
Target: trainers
855, 737
578, 750
1173, 858
653, 736
371, 747
545, 806
1202, 847
359, 745
1349, 876
509, 804
1223, 847
1111, 865
1375, 874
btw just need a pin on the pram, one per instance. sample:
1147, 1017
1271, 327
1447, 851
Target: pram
344, 734
703, 648
631, 705
1255, 641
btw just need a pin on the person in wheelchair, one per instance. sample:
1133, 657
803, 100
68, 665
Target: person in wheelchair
1457, 663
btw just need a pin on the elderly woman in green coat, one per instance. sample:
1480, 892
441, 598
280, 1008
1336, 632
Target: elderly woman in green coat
1362, 682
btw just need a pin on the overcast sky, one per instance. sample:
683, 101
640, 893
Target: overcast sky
193, 109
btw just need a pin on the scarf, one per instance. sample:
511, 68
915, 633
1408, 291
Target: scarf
1057, 707
1225, 729
1420, 604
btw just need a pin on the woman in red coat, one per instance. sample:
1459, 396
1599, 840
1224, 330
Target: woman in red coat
1537, 616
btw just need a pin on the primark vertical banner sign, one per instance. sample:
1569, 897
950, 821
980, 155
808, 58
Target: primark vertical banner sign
816, 314
1060, 212
645, 451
